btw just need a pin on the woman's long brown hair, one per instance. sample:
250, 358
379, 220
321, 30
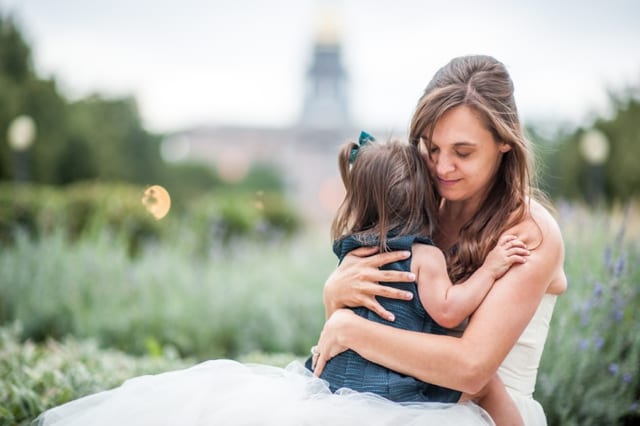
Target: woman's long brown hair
387, 190
483, 84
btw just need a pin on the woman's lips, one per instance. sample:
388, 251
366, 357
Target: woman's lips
447, 182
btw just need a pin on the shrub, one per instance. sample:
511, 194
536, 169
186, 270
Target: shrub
36, 377
591, 363
85, 208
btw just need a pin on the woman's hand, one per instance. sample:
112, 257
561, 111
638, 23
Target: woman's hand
329, 344
355, 282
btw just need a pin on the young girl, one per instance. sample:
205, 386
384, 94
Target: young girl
389, 203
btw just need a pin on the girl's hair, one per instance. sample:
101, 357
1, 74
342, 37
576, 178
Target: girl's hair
387, 191
483, 84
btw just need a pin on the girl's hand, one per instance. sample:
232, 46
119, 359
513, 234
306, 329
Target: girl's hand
510, 250
355, 282
329, 343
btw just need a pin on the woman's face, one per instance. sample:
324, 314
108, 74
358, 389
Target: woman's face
464, 156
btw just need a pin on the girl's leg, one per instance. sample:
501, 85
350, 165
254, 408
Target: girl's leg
498, 403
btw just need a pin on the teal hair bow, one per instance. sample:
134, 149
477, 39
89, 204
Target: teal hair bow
364, 139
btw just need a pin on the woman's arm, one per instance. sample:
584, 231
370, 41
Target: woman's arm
450, 304
466, 363
355, 281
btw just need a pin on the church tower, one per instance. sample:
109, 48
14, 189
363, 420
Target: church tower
326, 103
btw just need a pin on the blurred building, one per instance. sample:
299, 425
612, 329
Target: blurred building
305, 152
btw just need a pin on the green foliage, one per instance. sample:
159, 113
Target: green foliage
258, 299
94, 138
15, 54
263, 177
568, 175
623, 132
84, 208
590, 372
111, 130
35, 377
188, 181
22, 92
77, 210
223, 304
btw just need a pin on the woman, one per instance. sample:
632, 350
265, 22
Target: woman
467, 127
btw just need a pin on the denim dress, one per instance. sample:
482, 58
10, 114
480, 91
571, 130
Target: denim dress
350, 370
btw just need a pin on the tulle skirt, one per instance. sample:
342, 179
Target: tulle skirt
225, 392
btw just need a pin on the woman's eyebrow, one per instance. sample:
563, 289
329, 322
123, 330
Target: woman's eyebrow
463, 144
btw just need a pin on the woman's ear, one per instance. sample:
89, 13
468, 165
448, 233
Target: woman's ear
504, 147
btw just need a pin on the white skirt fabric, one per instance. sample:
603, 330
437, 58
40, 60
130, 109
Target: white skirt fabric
225, 392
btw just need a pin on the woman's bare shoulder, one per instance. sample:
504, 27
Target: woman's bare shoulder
541, 233
538, 227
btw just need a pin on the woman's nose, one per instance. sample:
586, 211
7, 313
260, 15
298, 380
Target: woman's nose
443, 165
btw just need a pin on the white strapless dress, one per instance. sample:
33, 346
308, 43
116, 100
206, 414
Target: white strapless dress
225, 392
519, 370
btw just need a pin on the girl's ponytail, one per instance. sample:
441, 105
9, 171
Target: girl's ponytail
344, 161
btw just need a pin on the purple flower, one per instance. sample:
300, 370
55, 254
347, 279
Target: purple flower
586, 309
620, 264
585, 319
607, 256
599, 342
619, 301
618, 315
597, 289
583, 345
627, 377
613, 368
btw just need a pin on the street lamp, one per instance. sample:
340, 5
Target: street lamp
594, 147
21, 134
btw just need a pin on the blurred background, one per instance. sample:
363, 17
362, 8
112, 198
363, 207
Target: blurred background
168, 174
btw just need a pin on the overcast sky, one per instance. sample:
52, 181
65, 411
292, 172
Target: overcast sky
194, 62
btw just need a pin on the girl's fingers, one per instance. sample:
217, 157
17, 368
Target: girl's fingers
507, 238
511, 241
518, 251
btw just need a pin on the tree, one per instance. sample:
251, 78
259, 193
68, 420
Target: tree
568, 174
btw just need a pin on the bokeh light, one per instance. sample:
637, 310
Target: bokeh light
21, 133
157, 201
594, 147
233, 166
331, 194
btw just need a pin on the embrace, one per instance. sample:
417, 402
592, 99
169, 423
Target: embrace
450, 265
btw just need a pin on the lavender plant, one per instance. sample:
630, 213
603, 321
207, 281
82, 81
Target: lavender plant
591, 363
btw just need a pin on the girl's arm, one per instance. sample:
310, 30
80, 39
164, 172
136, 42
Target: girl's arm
450, 304
466, 363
